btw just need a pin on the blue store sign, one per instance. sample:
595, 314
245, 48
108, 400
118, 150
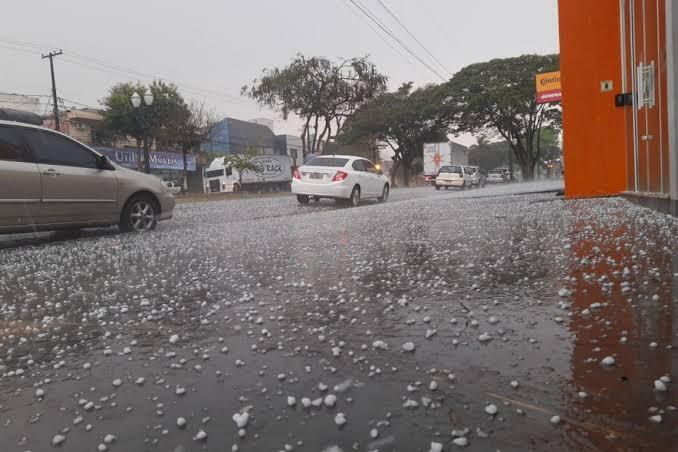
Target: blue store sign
129, 158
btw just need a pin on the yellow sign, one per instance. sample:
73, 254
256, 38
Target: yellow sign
550, 81
548, 87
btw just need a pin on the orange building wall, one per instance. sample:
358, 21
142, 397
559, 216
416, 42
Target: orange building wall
594, 133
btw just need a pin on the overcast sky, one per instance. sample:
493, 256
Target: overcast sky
213, 47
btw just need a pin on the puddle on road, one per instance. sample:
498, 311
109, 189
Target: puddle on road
631, 317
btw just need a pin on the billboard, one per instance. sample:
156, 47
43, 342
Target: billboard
548, 87
129, 158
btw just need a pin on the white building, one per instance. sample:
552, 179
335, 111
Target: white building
22, 102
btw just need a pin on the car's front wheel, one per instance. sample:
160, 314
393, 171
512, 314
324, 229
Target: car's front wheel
303, 199
437, 187
384, 194
140, 214
354, 200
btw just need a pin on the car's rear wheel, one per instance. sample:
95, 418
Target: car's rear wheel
437, 187
384, 194
303, 199
140, 214
354, 200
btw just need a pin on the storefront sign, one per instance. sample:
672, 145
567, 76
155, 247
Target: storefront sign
129, 158
548, 87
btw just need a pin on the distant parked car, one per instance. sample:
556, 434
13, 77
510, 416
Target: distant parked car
495, 177
454, 176
50, 181
173, 187
340, 177
477, 177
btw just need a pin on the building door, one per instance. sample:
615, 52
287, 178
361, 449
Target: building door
644, 75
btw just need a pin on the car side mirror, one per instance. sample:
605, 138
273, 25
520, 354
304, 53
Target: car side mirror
104, 164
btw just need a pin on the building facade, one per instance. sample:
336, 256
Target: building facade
22, 102
82, 124
619, 72
264, 122
233, 136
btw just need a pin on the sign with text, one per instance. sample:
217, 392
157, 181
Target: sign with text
129, 158
548, 87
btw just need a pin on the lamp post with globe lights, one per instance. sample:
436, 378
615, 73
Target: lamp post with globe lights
142, 113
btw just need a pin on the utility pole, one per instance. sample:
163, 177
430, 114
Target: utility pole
51, 56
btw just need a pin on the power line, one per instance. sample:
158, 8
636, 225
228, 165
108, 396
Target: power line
62, 99
186, 88
414, 37
381, 36
386, 30
94, 63
32, 52
46, 108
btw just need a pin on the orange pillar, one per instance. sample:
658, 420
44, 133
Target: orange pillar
594, 132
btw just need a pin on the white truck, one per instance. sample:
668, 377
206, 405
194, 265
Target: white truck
274, 174
437, 155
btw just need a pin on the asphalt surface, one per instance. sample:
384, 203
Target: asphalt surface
484, 319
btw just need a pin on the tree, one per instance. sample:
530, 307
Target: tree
146, 124
323, 93
119, 116
488, 155
550, 149
195, 127
242, 163
404, 119
498, 98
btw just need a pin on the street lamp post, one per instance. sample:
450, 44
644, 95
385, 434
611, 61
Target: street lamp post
142, 112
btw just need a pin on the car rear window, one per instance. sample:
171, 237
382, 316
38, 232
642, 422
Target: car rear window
328, 161
451, 169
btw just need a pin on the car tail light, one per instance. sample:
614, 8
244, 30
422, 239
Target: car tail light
341, 175
297, 174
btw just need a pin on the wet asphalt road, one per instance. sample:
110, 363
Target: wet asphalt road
511, 303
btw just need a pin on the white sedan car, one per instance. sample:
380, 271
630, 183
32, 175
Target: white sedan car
340, 177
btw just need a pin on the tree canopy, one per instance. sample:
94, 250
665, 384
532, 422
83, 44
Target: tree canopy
488, 155
498, 98
159, 123
322, 92
404, 119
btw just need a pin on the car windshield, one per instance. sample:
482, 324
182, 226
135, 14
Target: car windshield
334, 162
214, 173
